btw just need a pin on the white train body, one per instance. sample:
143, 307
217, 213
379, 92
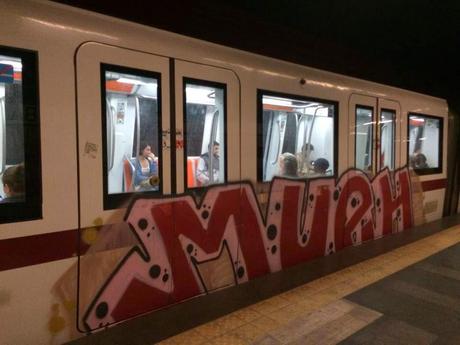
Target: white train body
72, 44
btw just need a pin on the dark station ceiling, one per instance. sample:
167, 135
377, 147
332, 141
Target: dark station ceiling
405, 43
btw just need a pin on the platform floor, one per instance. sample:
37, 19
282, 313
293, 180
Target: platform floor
409, 294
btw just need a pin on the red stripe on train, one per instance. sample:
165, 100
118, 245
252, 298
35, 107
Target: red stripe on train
434, 185
37, 249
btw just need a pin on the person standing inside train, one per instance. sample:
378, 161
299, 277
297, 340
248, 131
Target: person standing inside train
14, 184
305, 158
204, 163
146, 169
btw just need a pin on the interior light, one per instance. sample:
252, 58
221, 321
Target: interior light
133, 81
280, 102
200, 95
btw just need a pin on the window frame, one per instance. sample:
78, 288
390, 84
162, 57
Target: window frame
206, 83
31, 208
427, 171
263, 92
119, 200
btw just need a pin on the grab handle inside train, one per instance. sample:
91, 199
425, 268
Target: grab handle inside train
110, 134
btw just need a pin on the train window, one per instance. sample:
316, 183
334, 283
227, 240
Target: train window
20, 169
387, 138
205, 134
425, 143
131, 119
296, 136
364, 138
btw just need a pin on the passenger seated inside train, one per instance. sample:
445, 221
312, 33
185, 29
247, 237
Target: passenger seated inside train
13, 180
146, 170
418, 161
203, 170
320, 167
287, 165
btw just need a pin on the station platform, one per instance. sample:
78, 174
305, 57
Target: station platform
401, 289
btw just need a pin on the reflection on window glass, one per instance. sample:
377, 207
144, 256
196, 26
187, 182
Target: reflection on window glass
364, 138
12, 167
387, 132
132, 131
297, 138
205, 133
425, 135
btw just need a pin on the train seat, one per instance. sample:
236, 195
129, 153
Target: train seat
192, 164
128, 172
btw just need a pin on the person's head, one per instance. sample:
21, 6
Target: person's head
145, 149
288, 164
307, 151
307, 147
420, 161
215, 148
320, 165
13, 180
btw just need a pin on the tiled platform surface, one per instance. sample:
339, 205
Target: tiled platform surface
407, 295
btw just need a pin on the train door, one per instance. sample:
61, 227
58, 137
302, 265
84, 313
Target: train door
123, 129
207, 126
373, 141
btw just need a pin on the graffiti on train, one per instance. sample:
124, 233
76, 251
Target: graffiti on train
188, 248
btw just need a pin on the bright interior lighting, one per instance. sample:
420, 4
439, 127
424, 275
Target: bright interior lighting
199, 95
134, 81
280, 102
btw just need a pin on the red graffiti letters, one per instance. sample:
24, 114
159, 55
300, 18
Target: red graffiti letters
187, 249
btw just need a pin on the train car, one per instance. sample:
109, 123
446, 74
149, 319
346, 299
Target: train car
141, 168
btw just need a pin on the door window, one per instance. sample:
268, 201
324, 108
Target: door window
205, 133
364, 134
387, 138
131, 120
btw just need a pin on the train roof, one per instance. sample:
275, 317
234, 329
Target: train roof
31, 20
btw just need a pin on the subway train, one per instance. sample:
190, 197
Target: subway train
142, 168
